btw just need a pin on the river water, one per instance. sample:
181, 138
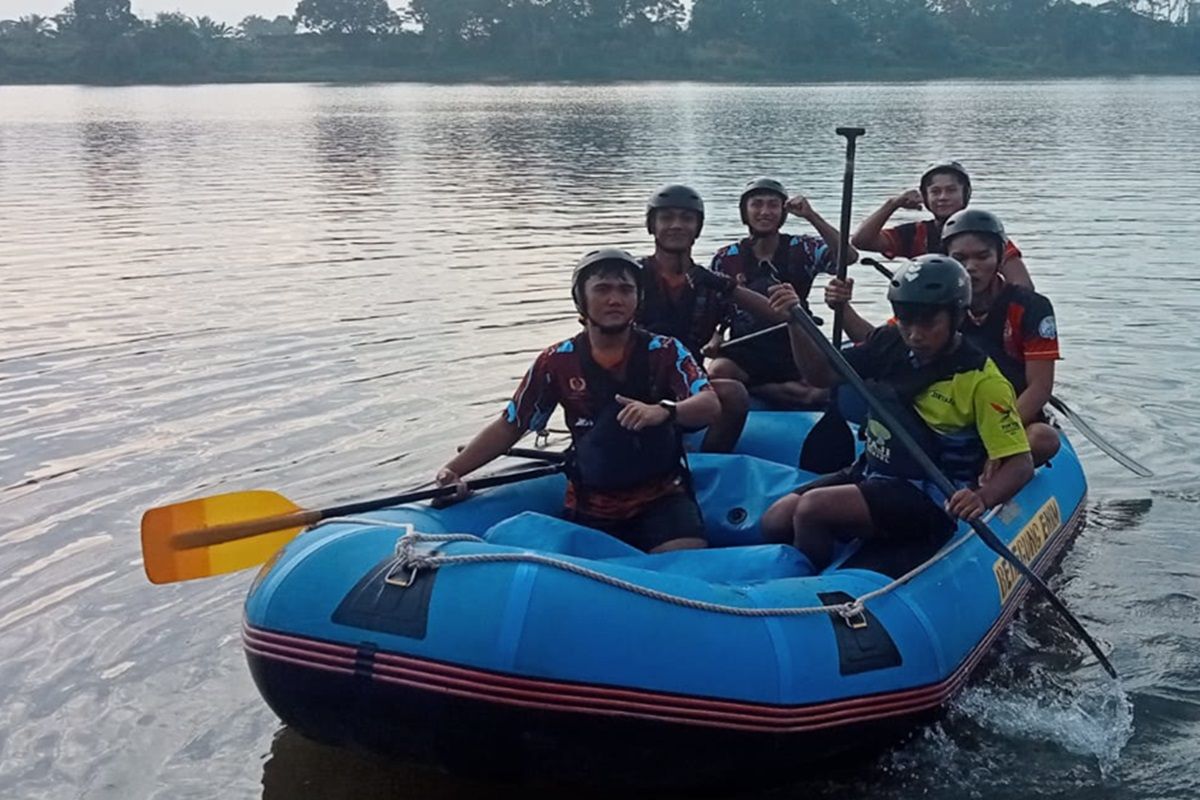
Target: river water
323, 289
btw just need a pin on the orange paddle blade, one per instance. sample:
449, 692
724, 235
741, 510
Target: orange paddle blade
166, 530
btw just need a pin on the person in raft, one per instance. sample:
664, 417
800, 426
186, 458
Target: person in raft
948, 394
762, 259
1013, 325
945, 189
625, 393
688, 302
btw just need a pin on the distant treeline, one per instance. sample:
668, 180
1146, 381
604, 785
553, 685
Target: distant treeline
101, 41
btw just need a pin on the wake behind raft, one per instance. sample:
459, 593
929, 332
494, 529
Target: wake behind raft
493, 637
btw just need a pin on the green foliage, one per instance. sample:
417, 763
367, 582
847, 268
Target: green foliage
98, 19
781, 40
254, 26
347, 17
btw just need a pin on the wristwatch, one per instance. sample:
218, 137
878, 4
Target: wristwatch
672, 409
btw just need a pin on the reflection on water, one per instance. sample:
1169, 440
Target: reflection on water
323, 290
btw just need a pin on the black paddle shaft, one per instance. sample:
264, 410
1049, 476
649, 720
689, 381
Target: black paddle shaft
441, 491
851, 135
839, 363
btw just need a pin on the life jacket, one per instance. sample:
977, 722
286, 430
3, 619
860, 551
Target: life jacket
960, 455
759, 278
920, 238
666, 316
605, 456
992, 335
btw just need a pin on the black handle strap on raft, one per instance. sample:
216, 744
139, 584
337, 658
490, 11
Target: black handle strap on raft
839, 363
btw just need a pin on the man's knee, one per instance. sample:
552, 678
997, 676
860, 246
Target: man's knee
682, 543
726, 369
776, 522
735, 400
1043, 442
811, 507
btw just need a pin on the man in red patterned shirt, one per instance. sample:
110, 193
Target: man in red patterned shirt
768, 256
624, 393
688, 302
945, 189
1011, 323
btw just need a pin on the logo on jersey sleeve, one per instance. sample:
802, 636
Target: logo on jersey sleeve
1048, 328
1001, 409
1009, 421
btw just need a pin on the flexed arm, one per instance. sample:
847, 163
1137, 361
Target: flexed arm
800, 206
869, 235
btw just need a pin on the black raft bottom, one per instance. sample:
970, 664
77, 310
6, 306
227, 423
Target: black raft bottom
496, 742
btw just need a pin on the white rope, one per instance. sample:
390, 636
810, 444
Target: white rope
409, 559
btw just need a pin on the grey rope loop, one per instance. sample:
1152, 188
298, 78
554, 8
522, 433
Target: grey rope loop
409, 559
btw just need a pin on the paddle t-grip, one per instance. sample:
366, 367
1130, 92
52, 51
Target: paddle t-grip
851, 133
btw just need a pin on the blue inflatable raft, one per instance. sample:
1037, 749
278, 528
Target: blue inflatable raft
493, 636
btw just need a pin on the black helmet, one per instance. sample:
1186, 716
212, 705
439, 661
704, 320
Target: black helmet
759, 186
674, 195
939, 167
974, 220
583, 269
932, 280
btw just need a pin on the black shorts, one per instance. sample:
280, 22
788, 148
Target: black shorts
767, 360
900, 511
675, 516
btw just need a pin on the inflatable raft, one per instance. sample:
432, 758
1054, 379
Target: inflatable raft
494, 637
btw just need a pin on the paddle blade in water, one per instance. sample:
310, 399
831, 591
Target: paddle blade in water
829, 446
165, 550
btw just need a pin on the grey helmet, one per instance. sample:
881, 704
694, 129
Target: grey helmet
974, 220
931, 280
938, 167
585, 266
674, 195
758, 186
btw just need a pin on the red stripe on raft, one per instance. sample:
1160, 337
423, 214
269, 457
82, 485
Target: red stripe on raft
465, 682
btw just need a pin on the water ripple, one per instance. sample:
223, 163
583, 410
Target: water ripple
324, 289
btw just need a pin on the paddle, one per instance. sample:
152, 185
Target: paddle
1081, 425
843, 368
829, 446
228, 532
777, 327
1105, 446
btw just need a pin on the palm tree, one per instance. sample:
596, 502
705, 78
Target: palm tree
35, 26
211, 29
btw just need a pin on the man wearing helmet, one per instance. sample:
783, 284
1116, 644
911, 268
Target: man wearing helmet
623, 392
764, 258
1013, 325
688, 302
945, 189
947, 393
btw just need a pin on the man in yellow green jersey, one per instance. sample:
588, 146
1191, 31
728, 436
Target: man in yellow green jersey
948, 394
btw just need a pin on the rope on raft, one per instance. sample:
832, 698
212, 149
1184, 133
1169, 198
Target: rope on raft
410, 560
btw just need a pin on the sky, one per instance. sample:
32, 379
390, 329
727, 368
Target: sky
231, 11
